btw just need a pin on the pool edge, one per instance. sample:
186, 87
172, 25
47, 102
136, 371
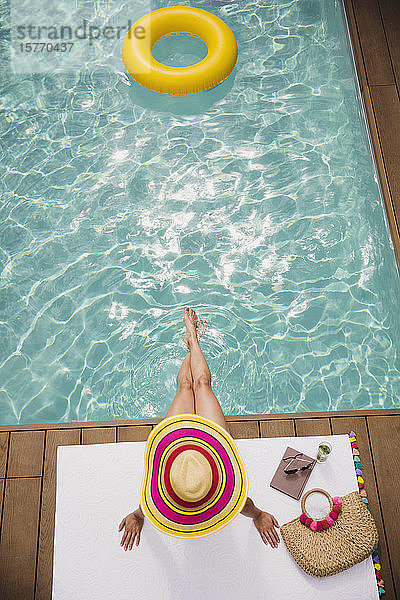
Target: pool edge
392, 216
230, 418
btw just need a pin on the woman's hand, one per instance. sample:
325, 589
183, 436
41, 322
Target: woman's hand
133, 526
265, 524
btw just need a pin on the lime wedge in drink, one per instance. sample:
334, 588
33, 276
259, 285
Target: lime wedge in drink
325, 449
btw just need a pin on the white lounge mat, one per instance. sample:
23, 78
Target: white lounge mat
98, 485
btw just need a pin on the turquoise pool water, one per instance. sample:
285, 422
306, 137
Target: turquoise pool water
255, 203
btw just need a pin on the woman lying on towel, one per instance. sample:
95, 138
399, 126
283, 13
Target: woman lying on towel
195, 481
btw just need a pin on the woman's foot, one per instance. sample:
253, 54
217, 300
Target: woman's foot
200, 329
194, 329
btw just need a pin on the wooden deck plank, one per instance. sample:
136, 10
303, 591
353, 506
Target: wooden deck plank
358, 55
99, 435
2, 484
244, 429
373, 42
54, 438
386, 106
4, 437
281, 428
18, 545
26, 454
133, 433
343, 425
385, 439
313, 427
390, 10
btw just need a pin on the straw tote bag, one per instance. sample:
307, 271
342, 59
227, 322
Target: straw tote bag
322, 547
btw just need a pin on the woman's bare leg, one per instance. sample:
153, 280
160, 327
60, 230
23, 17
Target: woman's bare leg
206, 402
184, 399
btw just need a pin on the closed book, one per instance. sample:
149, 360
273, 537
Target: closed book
292, 484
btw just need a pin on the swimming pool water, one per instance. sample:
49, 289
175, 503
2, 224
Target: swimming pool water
256, 203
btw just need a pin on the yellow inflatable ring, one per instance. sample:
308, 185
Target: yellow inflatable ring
146, 70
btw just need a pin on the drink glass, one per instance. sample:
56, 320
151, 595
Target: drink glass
324, 449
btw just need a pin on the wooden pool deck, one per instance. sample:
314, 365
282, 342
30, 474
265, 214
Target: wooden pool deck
28, 452
28, 483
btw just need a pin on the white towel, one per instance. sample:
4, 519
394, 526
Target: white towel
99, 484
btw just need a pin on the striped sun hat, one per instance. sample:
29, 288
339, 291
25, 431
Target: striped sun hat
194, 481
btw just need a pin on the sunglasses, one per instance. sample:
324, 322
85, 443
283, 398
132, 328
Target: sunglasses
290, 471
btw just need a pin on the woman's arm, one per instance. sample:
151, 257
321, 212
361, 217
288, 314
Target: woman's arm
264, 522
250, 509
133, 524
138, 512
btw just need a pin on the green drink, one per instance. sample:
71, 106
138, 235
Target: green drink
324, 449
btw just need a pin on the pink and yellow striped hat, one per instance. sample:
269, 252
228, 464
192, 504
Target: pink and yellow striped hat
195, 481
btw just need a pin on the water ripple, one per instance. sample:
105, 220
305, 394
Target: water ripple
256, 203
